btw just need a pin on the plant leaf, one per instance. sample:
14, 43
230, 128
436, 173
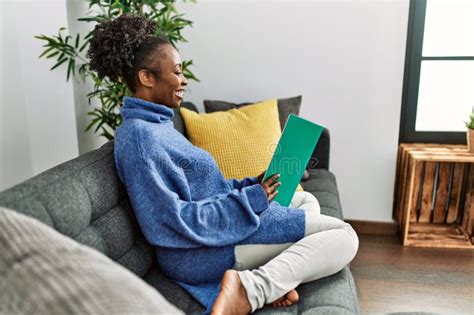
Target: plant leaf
53, 54
76, 44
58, 63
46, 51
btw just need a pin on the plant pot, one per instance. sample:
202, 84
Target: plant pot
470, 140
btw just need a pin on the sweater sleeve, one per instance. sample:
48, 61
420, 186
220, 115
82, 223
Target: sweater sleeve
167, 219
239, 184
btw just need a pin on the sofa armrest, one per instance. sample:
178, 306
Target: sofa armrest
320, 156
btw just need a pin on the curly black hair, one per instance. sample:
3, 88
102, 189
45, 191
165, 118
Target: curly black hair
120, 48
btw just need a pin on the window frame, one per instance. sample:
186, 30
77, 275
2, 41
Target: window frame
411, 83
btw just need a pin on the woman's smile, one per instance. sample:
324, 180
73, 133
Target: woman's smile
179, 93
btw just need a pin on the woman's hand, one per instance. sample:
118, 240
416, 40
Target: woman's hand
270, 185
260, 177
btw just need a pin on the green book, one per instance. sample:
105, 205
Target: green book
292, 154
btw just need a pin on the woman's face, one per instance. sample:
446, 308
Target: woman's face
168, 88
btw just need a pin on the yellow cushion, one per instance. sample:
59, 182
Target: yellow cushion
242, 141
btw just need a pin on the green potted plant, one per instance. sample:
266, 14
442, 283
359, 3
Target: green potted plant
71, 49
470, 133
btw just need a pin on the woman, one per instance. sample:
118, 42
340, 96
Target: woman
225, 241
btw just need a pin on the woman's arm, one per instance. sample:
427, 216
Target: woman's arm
158, 193
239, 184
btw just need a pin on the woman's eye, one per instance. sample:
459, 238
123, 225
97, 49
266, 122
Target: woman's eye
178, 73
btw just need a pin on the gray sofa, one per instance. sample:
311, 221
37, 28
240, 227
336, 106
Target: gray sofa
84, 199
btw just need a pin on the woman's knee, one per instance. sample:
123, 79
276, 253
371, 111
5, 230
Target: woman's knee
319, 222
353, 238
306, 201
297, 199
311, 203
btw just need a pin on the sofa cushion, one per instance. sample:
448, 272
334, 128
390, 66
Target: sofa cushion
242, 141
286, 106
322, 184
45, 272
335, 294
331, 295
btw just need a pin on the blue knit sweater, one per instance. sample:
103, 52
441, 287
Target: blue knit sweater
186, 208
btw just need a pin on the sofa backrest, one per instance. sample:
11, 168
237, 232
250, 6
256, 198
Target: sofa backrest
178, 120
84, 199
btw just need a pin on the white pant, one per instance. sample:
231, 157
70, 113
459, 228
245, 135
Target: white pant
269, 271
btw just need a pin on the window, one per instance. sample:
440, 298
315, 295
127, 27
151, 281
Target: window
438, 88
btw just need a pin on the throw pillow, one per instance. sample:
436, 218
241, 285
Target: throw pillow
242, 141
45, 272
286, 106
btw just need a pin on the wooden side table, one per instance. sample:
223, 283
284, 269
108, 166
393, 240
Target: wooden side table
434, 195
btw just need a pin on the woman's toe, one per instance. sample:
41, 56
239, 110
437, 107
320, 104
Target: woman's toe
292, 296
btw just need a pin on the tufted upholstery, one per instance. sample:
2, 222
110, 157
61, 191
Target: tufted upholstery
84, 199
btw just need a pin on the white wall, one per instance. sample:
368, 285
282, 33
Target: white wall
345, 57
37, 124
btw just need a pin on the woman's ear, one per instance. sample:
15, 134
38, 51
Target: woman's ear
145, 78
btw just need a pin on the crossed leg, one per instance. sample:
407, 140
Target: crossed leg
269, 273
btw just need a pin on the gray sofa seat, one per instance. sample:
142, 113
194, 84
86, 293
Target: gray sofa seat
84, 199
322, 184
330, 295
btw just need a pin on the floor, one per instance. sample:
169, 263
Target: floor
393, 279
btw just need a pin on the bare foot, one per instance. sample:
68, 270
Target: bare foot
286, 300
232, 298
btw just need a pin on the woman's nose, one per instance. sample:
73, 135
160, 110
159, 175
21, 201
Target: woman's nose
184, 82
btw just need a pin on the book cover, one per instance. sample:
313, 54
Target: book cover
292, 154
